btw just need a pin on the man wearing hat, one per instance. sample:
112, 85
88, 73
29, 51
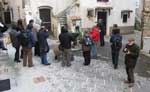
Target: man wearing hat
132, 53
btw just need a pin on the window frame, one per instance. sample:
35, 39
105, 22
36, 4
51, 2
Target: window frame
125, 20
90, 13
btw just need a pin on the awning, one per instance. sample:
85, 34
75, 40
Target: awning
128, 10
103, 6
75, 17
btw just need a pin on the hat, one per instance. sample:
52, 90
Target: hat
131, 39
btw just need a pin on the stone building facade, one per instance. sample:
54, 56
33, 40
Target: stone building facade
146, 26
11, 10
121, 12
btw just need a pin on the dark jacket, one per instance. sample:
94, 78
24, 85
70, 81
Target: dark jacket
112, 41
65, 39
42, 39
102, 28
14, 36
115, 30
131, 59
31, 37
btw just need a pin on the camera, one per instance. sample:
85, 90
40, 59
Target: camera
125, 50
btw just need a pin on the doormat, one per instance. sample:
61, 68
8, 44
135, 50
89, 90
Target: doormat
39, 79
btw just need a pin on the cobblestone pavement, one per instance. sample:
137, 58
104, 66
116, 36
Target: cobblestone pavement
98, 77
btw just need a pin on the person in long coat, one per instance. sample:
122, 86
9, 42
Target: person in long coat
131, 51
43, 44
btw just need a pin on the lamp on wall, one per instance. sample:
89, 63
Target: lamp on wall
5, 2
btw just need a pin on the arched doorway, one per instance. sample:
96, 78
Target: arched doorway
45, 16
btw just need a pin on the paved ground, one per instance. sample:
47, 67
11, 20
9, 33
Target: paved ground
98, 77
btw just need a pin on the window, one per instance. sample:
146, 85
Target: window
23, 3
90, 13
125, 18
125, 15
102, 0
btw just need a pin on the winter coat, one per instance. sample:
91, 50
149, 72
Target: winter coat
65, 39
31, 37
35, 34
102, 28
131, 59
84, 47
95, 35
14, 36
112, 40
42, 39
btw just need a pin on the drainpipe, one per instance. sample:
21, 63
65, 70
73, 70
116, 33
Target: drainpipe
142, 24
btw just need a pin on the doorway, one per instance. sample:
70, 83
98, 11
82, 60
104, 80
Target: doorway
45, 16
103, 16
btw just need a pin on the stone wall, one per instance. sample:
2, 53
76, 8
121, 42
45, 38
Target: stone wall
146, 34
147, 18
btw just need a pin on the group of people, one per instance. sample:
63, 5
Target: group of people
131, 51
27, 38
91, 40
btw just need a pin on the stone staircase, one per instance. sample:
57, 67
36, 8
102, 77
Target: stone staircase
3, 56
62, 16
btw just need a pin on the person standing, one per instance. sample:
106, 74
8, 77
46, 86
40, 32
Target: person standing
95, 35
102, 32
20, 28
36, 47
27, 42
86, 42
14, 36
131, 51
116, 44
65, 39
43, 44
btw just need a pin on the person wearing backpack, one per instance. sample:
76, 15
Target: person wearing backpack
27, 42
86, 42
116, 44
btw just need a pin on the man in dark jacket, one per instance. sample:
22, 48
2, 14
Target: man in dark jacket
102, 32
65, 39
116, 44
27, 49
132, 53
14, 36
44, 47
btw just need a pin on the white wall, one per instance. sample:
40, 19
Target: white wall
57, 5
15, 4
114, 17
